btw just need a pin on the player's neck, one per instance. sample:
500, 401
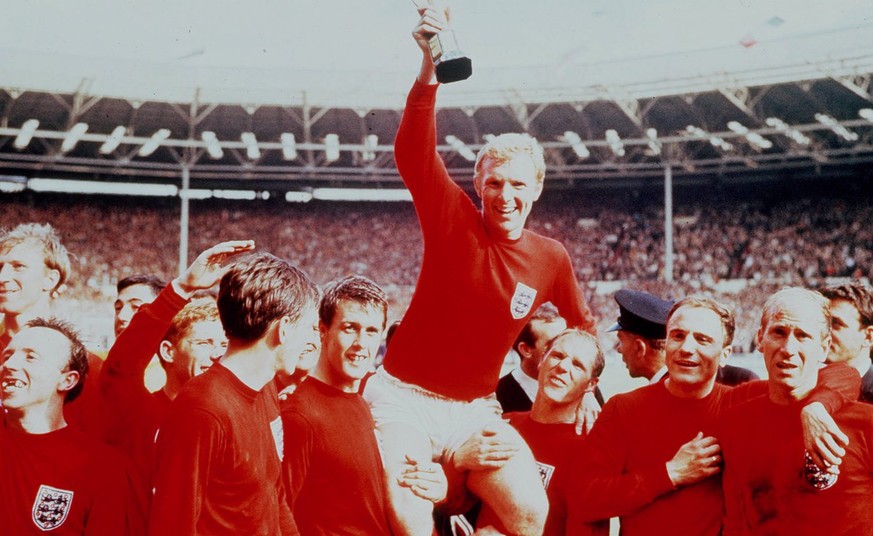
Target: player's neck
42, 419
688, 391
547, 412
325, 374
254, 363
13, 322
172, 387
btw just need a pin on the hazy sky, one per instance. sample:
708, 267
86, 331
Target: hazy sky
48, 42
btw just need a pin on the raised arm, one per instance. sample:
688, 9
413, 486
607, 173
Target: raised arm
415, 148
130, 355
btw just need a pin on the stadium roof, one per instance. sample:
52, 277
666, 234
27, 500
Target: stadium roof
317, 67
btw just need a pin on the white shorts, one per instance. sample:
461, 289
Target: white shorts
447, 422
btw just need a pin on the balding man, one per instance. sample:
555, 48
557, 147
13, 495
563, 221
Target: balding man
771, 485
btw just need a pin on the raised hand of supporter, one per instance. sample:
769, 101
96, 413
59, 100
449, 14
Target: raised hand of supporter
696, 460
586, 413
211, 264
426, 480
487, 449
823, 439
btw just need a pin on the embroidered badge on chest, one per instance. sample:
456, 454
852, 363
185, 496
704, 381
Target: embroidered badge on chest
522, 301
546, 472
51, 507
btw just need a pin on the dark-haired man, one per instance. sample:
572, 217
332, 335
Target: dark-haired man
335, 480
517, 390
851, 306
219, 450
134, 292
52, 476
188, 338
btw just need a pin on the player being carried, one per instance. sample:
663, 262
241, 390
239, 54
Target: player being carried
482, 276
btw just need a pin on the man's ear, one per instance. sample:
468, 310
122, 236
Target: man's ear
639, 346
68, 381
725, 353
826, 347
524, 350
759, 337
51, 279
282, 329
868, 337
322, 330
166, 351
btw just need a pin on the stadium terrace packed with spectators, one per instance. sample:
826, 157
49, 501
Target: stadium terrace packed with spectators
795, 241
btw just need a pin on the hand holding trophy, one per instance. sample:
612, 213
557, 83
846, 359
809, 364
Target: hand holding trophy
436, 38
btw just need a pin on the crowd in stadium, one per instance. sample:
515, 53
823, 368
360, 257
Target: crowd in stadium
273, 418
815, 239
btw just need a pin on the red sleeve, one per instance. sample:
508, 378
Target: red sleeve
299, 443
186, 445
568, 298
418, 162
738, 394
603, 488
121, 380
134, 348
838, 384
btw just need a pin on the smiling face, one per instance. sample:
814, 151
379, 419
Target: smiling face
568, 369
794, 339
200, 348
695, 350
25, 280
349, 344
33, 369
508, 191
